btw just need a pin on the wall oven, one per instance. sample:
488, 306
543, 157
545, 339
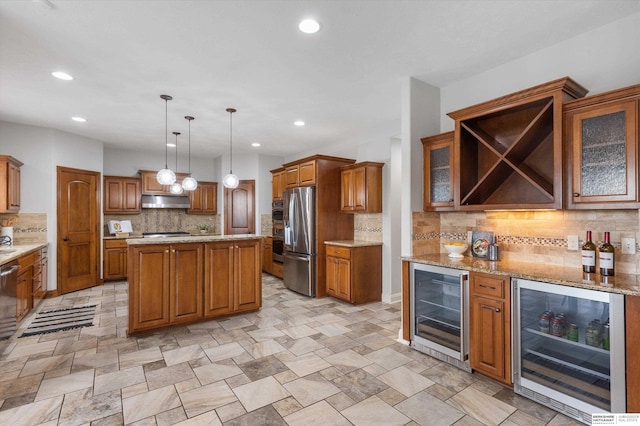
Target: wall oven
278, 231
440, 313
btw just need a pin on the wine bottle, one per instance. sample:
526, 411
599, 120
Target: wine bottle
589, 255
606, 257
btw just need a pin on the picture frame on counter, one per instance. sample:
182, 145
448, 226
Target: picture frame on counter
480, 241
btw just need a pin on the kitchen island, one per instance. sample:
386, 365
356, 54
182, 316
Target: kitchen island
183, 280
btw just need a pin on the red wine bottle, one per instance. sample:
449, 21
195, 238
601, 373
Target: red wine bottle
589, 255
606, 257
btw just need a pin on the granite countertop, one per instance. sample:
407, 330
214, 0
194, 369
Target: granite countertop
353, 243
10, 253
193, 239
573, 277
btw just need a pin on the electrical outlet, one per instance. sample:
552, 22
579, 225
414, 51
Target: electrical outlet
628, 246
572, 242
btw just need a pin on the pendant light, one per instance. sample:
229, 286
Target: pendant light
176, 188
165, 176
189, 183
230, 180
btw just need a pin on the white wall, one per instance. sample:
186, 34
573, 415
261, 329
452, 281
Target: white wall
603, 59
42, 150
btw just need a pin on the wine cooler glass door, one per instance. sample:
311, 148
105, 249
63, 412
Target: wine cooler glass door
439, 310
571, 345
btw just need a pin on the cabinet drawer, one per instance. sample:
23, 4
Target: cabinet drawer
121, 243
488, 285
277, 270
337, 251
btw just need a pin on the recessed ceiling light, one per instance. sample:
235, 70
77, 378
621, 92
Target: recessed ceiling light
79, 119
255, 144
62, 75
298, 123
309, 26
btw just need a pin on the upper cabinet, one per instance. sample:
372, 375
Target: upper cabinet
300, 174
438, 172
9, 184
121, 195
601, 134
150, 183
361, 188
509, 150
204, 199
278, 183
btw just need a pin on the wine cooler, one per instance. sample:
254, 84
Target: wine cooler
569, 348
440, 313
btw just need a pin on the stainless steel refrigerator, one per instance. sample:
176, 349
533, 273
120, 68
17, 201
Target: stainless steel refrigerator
299, 217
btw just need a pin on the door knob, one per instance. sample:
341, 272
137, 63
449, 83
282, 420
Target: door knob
65, 239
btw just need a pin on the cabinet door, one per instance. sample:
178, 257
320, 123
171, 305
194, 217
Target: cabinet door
291, 176
186, 282
218, 283
307, 173
332, 276
278, 184
115, 263
204, 199
247, 275
23, 292
150, 184
267, 255
121, 195
14, 187
348, 203
604, 154
488, 336
344, 279
438, 162
149, 287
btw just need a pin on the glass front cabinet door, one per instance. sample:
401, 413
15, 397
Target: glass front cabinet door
438, 156
603, 138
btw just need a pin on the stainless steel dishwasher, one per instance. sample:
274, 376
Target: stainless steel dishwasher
8, 285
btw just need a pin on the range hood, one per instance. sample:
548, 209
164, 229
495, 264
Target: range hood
165, 202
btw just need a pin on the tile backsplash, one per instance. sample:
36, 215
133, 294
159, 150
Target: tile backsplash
367, 227
532, 236
28, 228
167, 220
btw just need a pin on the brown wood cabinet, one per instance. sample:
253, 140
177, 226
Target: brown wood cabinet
509, 150
632, 313
601, 134
361, 189
204, 199
122, 195
278, 183
9, 184
165, 285
40, 276
354, 274
438, 170
31, 281
267, 254
188, 282
114, 259
277, 270
300, 174
150, 183
233, 280
490, 325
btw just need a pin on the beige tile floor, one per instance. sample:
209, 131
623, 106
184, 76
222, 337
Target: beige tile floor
298, 361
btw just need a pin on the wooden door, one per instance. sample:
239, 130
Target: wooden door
78, 229
148, 286
247, 275
239, 208
186, 282
488, 336
218, 282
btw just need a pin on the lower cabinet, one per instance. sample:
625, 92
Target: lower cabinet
24, 301
277, 269
267, 255
188, 282
490, 326
354, 274
115, 260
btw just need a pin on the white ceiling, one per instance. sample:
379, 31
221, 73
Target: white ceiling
344, 81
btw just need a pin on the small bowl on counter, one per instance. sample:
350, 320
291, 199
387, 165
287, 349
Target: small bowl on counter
455, 248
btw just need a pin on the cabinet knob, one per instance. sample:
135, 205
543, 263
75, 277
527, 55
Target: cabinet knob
576, 194
497, 310
65, 239
451, 200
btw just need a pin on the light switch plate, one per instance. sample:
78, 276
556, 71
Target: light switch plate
628, 246
572, 242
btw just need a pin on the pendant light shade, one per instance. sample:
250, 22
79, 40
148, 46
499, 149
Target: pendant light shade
189, 183
165, 176
230, 180
176, 188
